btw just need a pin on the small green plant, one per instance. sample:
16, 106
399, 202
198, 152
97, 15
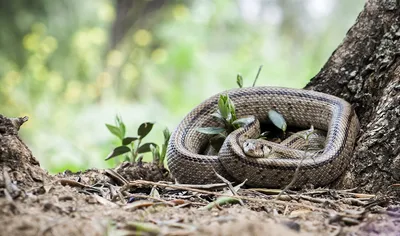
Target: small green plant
239, 80
133, 147
226, 115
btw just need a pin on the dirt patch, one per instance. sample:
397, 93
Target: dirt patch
111, 202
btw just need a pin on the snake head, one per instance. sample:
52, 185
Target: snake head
256, 148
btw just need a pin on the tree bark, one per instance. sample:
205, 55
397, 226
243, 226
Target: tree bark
365, 70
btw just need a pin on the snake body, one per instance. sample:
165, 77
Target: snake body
306, 143
300, 108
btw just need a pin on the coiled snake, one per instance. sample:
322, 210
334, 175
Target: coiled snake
300, 108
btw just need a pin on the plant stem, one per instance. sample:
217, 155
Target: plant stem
258, 73
136, 151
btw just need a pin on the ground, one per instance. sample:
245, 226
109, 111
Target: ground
110, 202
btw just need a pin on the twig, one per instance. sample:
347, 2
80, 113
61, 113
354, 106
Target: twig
352, 201
221, 201
347, 192
296, 173
266, 191
204, 186
258, 73
229, 186
316, 200
151, 198
375, 203
306, 196
116, 176
84, 187
286, 210
145, 182
121, 197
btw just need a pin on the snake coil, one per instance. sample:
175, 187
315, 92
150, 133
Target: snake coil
301, 108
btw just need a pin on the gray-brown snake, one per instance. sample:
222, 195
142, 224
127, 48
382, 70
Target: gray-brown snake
300, 108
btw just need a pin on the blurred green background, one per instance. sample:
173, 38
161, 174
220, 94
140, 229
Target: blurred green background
72, 65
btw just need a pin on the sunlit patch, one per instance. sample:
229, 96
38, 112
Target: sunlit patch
40, 72
80, 41
91, 91
97, 36
31, 42
39, 28
142, 37
73, 91
129, 72
55, 81
180, 12
104, 79
114, 58
106, 12
159, 56
49, 44
12, 78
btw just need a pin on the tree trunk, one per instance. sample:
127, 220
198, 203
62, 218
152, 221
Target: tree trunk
365, 70
130, 13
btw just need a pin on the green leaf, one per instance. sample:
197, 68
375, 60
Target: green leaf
243, 121
153, 148
154, 193
121, 125
118, 119
230, 109
123, 129
129, 140
265, 134
239, 80
114, 130
210, 130
142, 228
222, 106
118, 151
218, 116
155, 151
144, 129
224, 97
145, 147
231, 106
277, 119
167, 135
163, 152
220, 202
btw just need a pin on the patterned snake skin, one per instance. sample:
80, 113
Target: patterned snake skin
300, 108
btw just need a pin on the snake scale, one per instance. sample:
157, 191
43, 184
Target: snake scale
300, 108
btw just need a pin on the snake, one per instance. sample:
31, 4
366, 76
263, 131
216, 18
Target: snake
300, 108
307, 141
